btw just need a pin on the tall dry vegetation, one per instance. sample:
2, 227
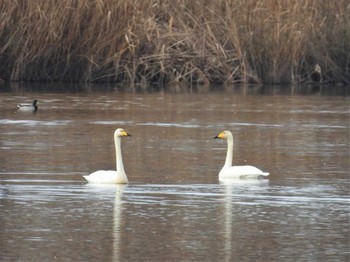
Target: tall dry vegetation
174, 41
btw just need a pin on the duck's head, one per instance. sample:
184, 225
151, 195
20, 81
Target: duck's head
224, 135
121, 132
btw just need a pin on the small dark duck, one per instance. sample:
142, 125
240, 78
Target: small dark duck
33, 107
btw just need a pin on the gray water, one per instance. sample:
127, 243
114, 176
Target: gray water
174, 208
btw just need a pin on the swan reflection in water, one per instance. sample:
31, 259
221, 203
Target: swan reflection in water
117, 217
233, 188
117, 213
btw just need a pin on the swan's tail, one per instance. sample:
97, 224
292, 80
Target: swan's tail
87, 178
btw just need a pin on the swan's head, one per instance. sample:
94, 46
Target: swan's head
225, 135
121, 132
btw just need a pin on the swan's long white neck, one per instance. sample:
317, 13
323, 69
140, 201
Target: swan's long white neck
229, 155
118, 155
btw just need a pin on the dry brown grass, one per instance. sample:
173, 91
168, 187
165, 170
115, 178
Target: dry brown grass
174, 41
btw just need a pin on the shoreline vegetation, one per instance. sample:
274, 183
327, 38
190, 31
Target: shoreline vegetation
158, 43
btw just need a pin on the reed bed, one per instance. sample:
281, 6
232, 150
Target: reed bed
158, 42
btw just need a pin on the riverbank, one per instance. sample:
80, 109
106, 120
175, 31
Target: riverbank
142, 43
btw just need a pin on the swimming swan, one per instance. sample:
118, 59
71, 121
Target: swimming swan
111, 176
236, 172
28, 107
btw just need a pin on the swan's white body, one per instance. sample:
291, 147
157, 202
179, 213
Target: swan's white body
111, 176
236, 172
107, 177
28, 107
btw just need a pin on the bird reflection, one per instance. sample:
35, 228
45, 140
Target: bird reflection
228, 221
231, 186
117, 213
117, 217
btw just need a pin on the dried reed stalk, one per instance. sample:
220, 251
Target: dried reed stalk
156, 42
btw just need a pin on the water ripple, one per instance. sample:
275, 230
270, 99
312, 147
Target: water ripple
184, 125
34, 122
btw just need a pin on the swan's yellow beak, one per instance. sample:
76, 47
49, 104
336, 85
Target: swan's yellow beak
124, 133
221, 135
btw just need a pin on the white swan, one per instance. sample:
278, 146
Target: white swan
111, 176
236, 172
33, 107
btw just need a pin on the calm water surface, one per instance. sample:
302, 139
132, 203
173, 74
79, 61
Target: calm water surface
174, 208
